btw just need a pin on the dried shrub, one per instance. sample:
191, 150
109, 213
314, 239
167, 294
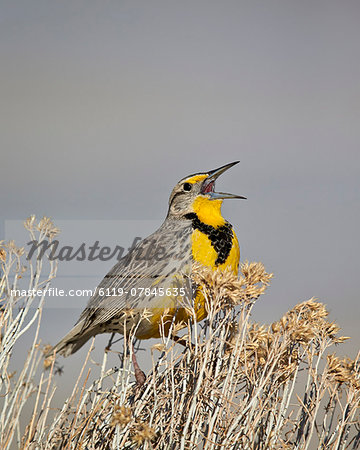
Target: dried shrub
235, 385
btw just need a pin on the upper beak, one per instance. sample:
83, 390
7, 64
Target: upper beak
208, 184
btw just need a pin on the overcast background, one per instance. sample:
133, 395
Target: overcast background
105, 105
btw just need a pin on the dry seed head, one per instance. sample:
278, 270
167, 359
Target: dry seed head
288, 371
331, 329
128, 312
340, 339
226, 289
143, 434
159, 347
29, 223
343, 370
258, 344
177, 327
47, 349
233, 331
255, 273
258, 333
302, 333
254, 291
18, 251
121, 416
166, 312
2, 255
275, 327
311, 309
46, 226
307, 321
48, 362
146, 314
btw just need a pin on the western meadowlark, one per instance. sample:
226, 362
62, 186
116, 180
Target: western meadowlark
155, 275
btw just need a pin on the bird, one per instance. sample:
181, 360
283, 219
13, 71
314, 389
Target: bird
147, 290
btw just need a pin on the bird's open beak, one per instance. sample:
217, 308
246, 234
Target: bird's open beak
209, 183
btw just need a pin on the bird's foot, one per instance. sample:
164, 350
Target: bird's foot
140, 377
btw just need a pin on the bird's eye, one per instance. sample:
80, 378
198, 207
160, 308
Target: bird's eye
187, 187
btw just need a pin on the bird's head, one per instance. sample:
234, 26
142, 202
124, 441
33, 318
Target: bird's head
196, 194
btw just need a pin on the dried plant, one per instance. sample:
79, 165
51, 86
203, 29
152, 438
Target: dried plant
235, 385
20, 315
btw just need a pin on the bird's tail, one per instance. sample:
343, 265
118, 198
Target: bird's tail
73, 341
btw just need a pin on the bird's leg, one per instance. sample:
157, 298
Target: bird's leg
107, 348
140, 377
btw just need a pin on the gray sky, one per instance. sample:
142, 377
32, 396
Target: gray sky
106, 105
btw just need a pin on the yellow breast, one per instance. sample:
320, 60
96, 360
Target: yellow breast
205, 254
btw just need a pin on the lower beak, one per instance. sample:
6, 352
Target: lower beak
222, 195
213, 175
